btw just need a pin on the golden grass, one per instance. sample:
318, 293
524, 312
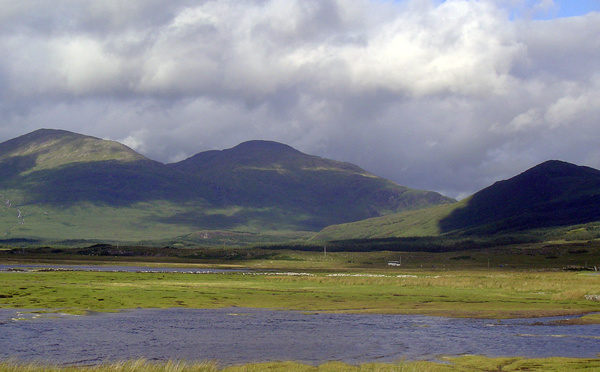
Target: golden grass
140, 365
461, 364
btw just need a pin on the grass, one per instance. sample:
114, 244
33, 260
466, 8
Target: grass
462, 364
490, 293
520, 281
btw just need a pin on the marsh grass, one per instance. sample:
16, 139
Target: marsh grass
140, 365
464, 293
461, 364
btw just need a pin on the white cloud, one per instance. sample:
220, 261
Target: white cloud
134, 142
567, 109
84, 66
457, 47
527, 120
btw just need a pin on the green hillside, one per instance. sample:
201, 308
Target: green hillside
553, 194
63, 169
48, 149
417, 223
61, 185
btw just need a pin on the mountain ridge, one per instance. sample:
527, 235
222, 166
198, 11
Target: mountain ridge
269, 174
63, 183
255, 186
261, 152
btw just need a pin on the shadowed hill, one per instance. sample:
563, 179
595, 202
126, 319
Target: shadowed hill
262, 157
550, 194
267, 174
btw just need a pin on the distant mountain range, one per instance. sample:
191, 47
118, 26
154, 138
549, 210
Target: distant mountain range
66, 185
62, 186
551, 194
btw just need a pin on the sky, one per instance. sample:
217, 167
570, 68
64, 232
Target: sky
449, 96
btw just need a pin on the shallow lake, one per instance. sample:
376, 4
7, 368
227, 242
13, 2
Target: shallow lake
239, 335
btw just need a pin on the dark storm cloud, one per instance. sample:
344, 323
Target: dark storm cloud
449, 96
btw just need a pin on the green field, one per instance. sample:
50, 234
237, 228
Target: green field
323, 285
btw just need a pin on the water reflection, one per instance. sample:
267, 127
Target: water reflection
238, 335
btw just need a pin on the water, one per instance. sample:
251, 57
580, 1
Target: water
238, 335
115, 268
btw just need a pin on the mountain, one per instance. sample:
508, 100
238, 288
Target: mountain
271, 175
64, 168
56, 183
551, 194
47, 148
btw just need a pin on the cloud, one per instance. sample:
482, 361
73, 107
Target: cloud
448, 96
134, 142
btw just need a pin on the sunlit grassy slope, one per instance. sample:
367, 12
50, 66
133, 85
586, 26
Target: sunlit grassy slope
90, 222
48, 149
423, 222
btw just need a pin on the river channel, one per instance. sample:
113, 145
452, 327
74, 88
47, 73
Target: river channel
241, 335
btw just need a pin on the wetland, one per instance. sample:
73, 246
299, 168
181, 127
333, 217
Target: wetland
302, 307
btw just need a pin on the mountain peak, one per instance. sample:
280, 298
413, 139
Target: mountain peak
254, 153
50, 148
260, 152
35, 138
263, 145
47, 132
558, 168
268, 175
